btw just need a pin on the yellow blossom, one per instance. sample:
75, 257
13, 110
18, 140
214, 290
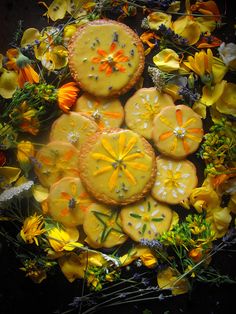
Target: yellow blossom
8, 175
25, 153
8, 83
149, 260
155, 19
167, 60
169, 278
32, 228
226, 104
220, 219
29, 37
60, 240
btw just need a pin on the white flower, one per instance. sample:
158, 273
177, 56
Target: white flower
7, 195
108, 258
228, 54
73, 137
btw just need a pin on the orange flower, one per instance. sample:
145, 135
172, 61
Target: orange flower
196, 254
21, 64
67, 95
209, 41
110, 61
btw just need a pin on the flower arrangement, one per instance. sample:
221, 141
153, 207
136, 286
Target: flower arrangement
185, 60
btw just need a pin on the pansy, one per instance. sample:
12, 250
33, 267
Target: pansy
170, 278
167, 60
155, 19
226, 104
228, 54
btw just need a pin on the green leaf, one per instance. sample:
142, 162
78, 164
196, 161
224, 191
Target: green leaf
135, 216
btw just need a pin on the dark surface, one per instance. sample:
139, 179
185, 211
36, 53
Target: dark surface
19, 294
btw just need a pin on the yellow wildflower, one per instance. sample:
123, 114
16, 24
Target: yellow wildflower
169, 278
32, 228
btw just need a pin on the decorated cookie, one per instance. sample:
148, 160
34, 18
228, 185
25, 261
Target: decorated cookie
174, 180
108, 113
145, 219
177, 131
117, 166
73, 128
55, 161
68, 201
103, 227
106, 58
142, 108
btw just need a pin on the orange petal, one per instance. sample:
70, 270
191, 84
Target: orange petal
179, 117
185, 146
165, 135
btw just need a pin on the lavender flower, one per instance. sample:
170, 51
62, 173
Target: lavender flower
9, 194
168, 33
153, 244
188, 95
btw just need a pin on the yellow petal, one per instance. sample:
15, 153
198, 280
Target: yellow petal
9, 175
200, 109
40, 193
207, 24
8, 84
227, 102
187, 28
29, 37
167, 60
113, 179
219, 69
211, 94
155, 19
168, 279
57, 10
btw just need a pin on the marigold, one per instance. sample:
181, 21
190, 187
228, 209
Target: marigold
67, 95
32, 228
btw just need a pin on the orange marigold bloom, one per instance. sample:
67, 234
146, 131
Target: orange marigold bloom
32, 228
67, 95
21, 64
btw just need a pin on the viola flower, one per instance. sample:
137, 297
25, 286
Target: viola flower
67, 96
21, 64
60, 240
32, 229
156, 19
167, 60
110, 61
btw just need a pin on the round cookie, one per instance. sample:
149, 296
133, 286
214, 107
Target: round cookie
177, 131
106, 57
145, 219
175, 180
108, 113
74, 128
142, 108
103, 226
55, 161
117, 166
68, 201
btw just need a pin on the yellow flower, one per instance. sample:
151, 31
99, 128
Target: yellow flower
29, 37
220, 219
133, 254
32, 228
201, 64
169, 278
196, 254
204, 198
149, 260
8, 175
55, 58
155, 19
25, 151
167, 60
226, 104
60, 240
210, 94
74, 266
68, 32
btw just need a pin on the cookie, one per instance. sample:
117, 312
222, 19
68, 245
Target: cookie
106, 58
174, 180
107, 112
55, 161
177, 131
142, 108
68, 201
117, 166
145, 219
74, 128
103, 227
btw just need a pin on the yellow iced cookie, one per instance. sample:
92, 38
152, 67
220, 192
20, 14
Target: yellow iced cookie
55, 161
106, 58
142, 108
117, 166
177, 131
108, 113
174, 180
103, 227
145, 219
74, 128
68, 201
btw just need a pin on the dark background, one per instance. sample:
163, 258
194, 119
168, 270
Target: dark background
19, 294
